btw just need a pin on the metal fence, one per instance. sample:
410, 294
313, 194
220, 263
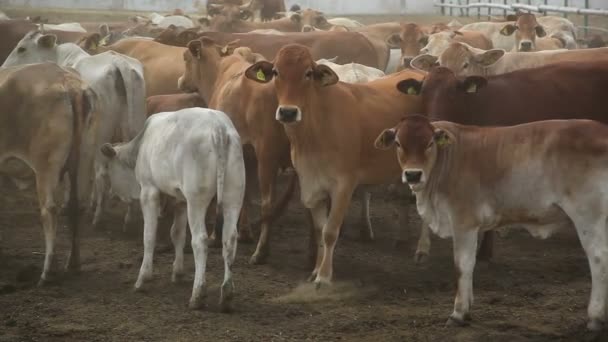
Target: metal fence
465, 6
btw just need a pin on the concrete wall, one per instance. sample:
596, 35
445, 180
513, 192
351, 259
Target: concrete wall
327, 6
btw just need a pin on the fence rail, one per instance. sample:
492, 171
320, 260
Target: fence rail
565, 10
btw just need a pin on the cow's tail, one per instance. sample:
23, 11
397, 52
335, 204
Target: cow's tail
134, 87
222, 146
281, 203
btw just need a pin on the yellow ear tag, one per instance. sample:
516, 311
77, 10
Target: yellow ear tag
443, 141
412, 91
472, 88
260, 75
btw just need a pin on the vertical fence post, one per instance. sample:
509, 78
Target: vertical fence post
467, 8
489, 11
586, 19
451, 9
505, 11
545, 12
565, 5
442, 8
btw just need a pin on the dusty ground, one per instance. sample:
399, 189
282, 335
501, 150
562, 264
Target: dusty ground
533, 291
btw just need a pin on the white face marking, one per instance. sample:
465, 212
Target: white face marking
417, 185
281, 116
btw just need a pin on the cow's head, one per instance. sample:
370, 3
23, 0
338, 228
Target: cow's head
177, 36
201, 58
311, 19
35, 47
526, 29
439, 42
410, 40
296, 78
418, 142
225, 16
461, 59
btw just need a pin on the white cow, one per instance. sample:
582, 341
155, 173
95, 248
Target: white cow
117, 79
550, 24
346, 22
191, 155
466, 60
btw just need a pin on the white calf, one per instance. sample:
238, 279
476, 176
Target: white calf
190, 155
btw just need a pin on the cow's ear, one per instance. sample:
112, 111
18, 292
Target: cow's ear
410, 86
195, 47
489, 57
47, 41
91, 43
104, 30
325, 75
508, 30
386, 139
441, 137
261, 72
424, 62
540, 31
472, 84
108, 151
296, 18
394, 41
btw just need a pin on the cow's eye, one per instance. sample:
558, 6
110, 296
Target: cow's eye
465, 65
397, 143
275, 73
21, 50
308, 74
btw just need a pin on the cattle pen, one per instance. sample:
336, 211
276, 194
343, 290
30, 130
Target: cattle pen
532, 290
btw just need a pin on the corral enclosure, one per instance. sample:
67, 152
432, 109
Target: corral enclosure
374, 7
534, 290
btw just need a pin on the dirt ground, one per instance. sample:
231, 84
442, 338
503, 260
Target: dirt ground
534, 290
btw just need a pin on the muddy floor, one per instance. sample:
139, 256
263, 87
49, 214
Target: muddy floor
533, 290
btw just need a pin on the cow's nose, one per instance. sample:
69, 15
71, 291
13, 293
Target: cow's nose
413, 177
288, 114
407, 61
526, 46
307, 28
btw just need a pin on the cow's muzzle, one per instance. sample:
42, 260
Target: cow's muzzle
525, 46
412, 176
289, 114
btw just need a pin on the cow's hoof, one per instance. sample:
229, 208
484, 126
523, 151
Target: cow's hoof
196, 304
321, 283
595, 325
258, 258
456, 322
421, 257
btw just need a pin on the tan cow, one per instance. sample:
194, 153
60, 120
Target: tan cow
49, 122
440, 41
331, 127
544, 176
162, 63
526, 30
412, 38
465, 60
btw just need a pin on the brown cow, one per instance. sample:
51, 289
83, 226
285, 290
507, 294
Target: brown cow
412, 38
174, 102
347, 46
331, 127
162, 63
49, 122
544, 176
217, 75
527, 29
569, 90
14, 30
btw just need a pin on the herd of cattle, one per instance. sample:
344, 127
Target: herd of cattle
486, 129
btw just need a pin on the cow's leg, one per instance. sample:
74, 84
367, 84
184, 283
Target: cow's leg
100, 193
319, 215
197, 207
150, 206
245, 233
340, 201
594, 239
424, 244
465, 247
178, 237
128, 216
366, 233
267, 174
229, 241
312, 240
46, 183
